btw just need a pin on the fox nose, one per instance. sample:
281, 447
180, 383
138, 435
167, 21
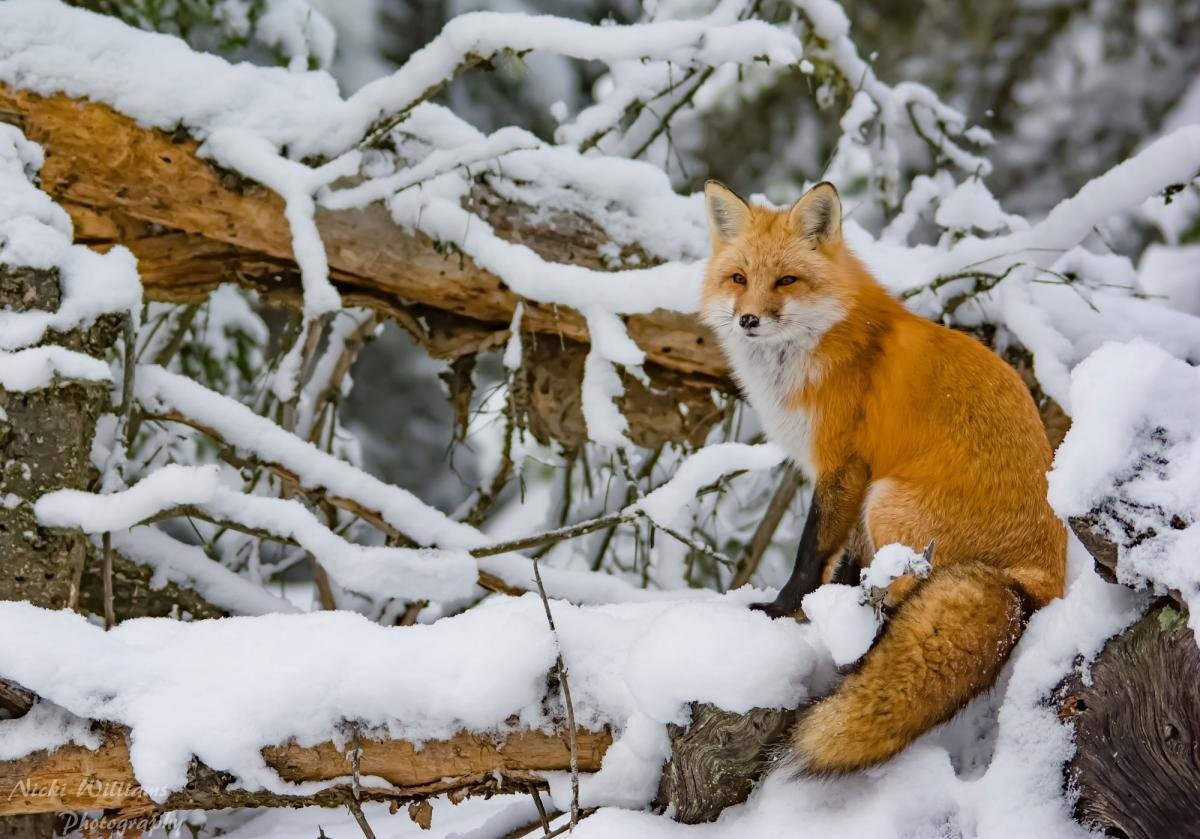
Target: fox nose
748, 321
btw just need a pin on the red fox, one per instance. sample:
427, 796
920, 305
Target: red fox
912, 432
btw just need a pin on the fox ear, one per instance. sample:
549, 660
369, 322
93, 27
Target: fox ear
817, 216
728, 214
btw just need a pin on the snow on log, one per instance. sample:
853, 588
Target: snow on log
184, 709
1127, 475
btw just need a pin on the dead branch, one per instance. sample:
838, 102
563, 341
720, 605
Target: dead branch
716, 759
564, 686
289, 478
75, 778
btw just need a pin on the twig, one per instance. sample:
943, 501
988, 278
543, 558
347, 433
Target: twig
355, 757
106, 574
360, 817
329, 392
313, 329
670, 113
182, 326
559, 831
557, 535
631, 495
350, 505
985, 281
130, 362
487, 497
691, 543
572, 732
541, 808
383, 126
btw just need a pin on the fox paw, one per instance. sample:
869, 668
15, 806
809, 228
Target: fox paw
776, 610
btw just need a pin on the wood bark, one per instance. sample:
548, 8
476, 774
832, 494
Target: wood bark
74, 778
1137, 731
45, 444
717, 758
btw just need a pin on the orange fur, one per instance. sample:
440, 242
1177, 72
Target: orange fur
946, 443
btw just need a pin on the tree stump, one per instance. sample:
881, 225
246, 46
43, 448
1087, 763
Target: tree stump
716, 760
1137, 731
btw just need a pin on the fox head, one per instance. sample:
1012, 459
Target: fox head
774, 274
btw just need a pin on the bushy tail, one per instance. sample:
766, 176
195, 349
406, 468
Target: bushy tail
946, 643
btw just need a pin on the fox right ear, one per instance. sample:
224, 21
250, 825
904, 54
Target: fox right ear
728, 214
817, 216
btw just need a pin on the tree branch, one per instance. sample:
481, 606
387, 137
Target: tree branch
74, 778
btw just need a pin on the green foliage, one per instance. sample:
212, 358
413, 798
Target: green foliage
232, 21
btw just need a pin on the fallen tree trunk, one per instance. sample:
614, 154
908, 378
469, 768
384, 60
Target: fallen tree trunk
74, 778
193, 226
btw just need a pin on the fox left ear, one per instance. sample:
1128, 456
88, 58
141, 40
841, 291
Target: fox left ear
817, 216
728, 212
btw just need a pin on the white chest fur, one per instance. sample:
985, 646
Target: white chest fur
770, 373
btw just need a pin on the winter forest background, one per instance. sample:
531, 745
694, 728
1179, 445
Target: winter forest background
361, 332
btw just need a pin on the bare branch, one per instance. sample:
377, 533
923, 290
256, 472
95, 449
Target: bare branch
565, 687
106, 573
75, 778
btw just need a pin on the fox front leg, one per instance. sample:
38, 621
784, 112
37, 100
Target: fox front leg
834, 511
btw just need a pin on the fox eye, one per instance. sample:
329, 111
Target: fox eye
740, 279
782, 281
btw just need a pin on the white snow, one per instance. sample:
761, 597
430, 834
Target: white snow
35, 232
41, 367
926, 791
44, 726
512, 347
257, 158
970, 206
1115, 344
844, 621
601, 387
408, 573
189, 566
1171, 274
892, 562
161, 390
703, 468
196, 689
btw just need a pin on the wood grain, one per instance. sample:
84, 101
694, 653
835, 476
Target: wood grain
1137, 732
717, 758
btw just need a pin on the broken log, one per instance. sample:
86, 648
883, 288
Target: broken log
193, 226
